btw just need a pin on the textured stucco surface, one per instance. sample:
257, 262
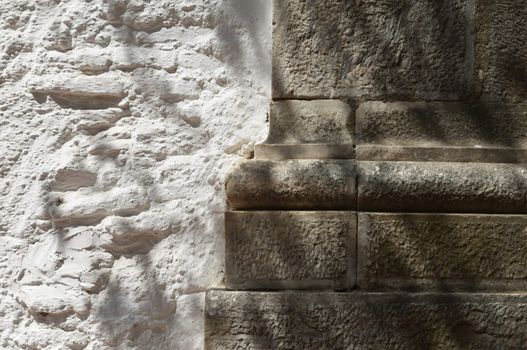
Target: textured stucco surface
119, 120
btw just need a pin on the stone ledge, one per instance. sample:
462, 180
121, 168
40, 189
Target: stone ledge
304, 151
290, 250
433, 187
441, 154
293, 184
442, 187
318, 321
442, 252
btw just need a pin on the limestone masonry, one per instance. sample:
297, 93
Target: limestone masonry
387, 208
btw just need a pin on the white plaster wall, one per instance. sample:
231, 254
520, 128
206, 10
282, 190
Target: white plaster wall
118, 122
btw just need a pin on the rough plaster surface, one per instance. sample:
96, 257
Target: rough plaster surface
119, 120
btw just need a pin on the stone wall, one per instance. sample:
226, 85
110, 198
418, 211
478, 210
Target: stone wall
119, 120
387, 207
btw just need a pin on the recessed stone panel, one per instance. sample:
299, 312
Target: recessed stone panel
290, 250
442, 187
343, 321
501, 53
291, 185
442, 252
372, 48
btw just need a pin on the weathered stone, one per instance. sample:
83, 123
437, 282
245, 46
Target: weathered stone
304, 151
293, 184
440, 154
318, 121
501, 54
442, 252
372, 48
343, 321
441, 131
432, 124
290, 250
442, 187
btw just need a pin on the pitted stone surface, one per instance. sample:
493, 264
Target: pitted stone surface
439, 131
318, 121
372, 48
442, 187
290, 250
442, 252
501, 54
441, 154
304, 151
293, 184
317, 321
439, 124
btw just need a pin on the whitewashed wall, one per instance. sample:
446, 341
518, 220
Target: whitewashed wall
118, 122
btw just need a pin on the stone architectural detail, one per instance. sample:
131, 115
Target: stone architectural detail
371, 49
439, 131
442, 187
399, 129
340, 321
290, 250
298, 131
500, 55
442, 252
292, 184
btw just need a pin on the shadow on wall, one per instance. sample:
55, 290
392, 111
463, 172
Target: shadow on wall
244, 34
399, 49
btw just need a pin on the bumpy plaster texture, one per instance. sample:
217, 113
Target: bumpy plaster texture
119, 119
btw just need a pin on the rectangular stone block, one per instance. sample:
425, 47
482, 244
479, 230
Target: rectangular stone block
343, 321
442, 252
441, 154
438, 131
307, 122
442, 187
501, 53
292, 185
372, 49
290, 250
304, 151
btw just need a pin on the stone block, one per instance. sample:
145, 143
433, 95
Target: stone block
304, 151
442, 252
318, 121
291, 185
442, 187
439, 124
290, 250
501, 54
441, 131
441, 154
372, 49
343, 321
